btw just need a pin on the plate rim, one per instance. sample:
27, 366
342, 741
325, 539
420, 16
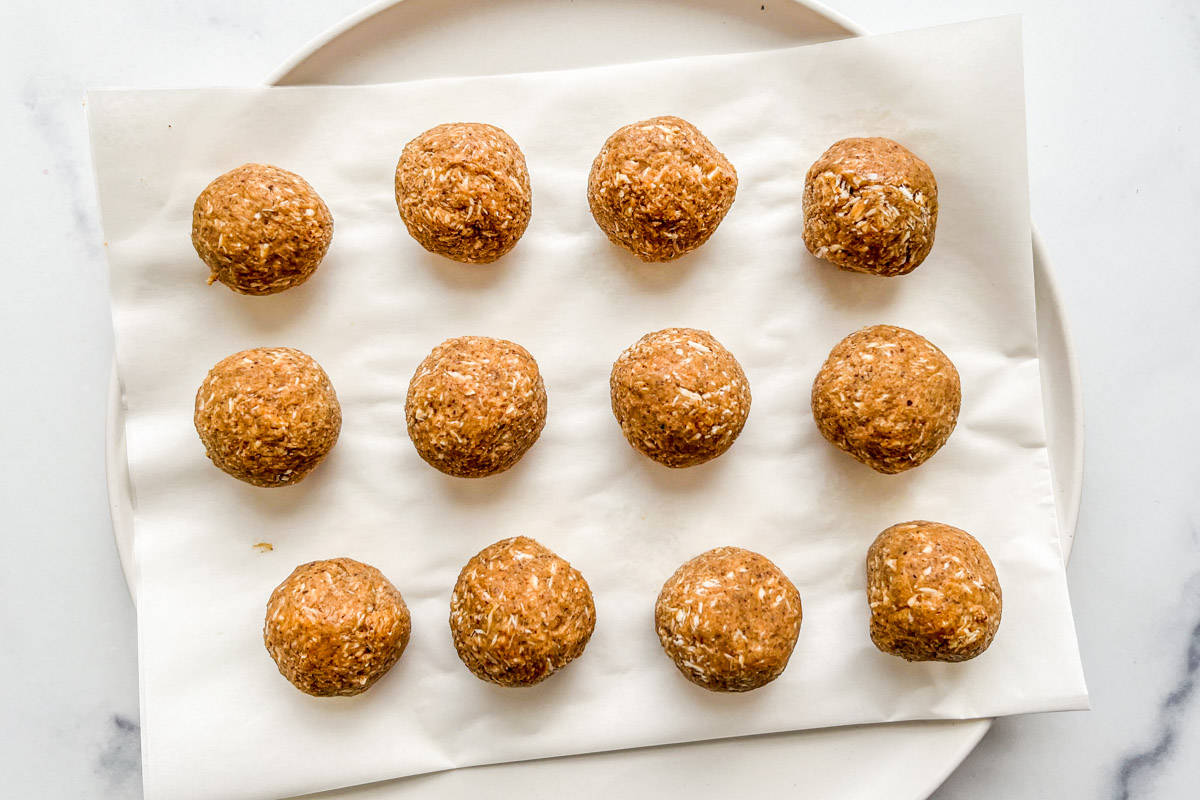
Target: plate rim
119, 486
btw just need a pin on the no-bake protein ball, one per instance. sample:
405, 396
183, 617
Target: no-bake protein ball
729, 619
680, 397
260, 229
659, 188
335, 627
519, 613
267, 416
870, 205
463, 191
933, 593
475, 406
888, 397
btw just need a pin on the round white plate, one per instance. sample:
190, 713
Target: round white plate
408, 39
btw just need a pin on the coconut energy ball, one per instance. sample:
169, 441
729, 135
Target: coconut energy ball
260, 229
519, 613
463, 191
729, 619
888, 397
335, 627
267, 416
870, 205
659, 188
475, 406
933, 593
679, 396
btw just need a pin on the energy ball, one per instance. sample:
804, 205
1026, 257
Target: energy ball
335, 627
729, 619
463, 191
519, 613
888, 397
475, 406
933, 593
680, 397
267, 416
659, 188
260, 229
871, 206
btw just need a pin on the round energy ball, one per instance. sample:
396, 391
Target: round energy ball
335, 627
475, 406
463, 191
933, 593
659, 188
267, 416
260, 229
888, 397
519, 613
729, 619
679, 396
870, 205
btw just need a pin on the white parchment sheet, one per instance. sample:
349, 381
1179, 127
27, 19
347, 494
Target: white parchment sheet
218, 721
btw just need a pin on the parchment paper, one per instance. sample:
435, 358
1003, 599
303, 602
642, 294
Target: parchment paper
217, 719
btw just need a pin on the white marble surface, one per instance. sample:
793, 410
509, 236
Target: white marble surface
1113, 126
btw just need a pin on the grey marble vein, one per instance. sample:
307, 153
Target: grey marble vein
120, 760
1140, 767
62, 138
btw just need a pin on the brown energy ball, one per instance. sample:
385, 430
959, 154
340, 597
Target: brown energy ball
933, 593
463, 191
659, 188
680, 397
475, 406
260, 229
335, 627
729, 619
267, 416
519, 613
870, 205
888, 397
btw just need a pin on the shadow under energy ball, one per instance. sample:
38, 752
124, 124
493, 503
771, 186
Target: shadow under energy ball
267, 416
475, 406
871, 206
336, 627
888, 397
260, 229
933, 593
519, 613
729, 619
659, 188
463, 191
680, 397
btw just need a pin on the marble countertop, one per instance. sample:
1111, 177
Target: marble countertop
1114, 172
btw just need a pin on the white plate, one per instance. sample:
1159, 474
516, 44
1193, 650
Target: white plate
403, 40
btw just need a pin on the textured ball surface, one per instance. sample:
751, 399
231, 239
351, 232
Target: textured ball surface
888, 397
463, 191
335, 627
267, 416
659, 188
519, 613
475, 406
260, 229
871, 206
729, 619
679, 396
933, 593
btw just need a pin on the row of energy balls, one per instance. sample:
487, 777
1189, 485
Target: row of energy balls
729, 618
